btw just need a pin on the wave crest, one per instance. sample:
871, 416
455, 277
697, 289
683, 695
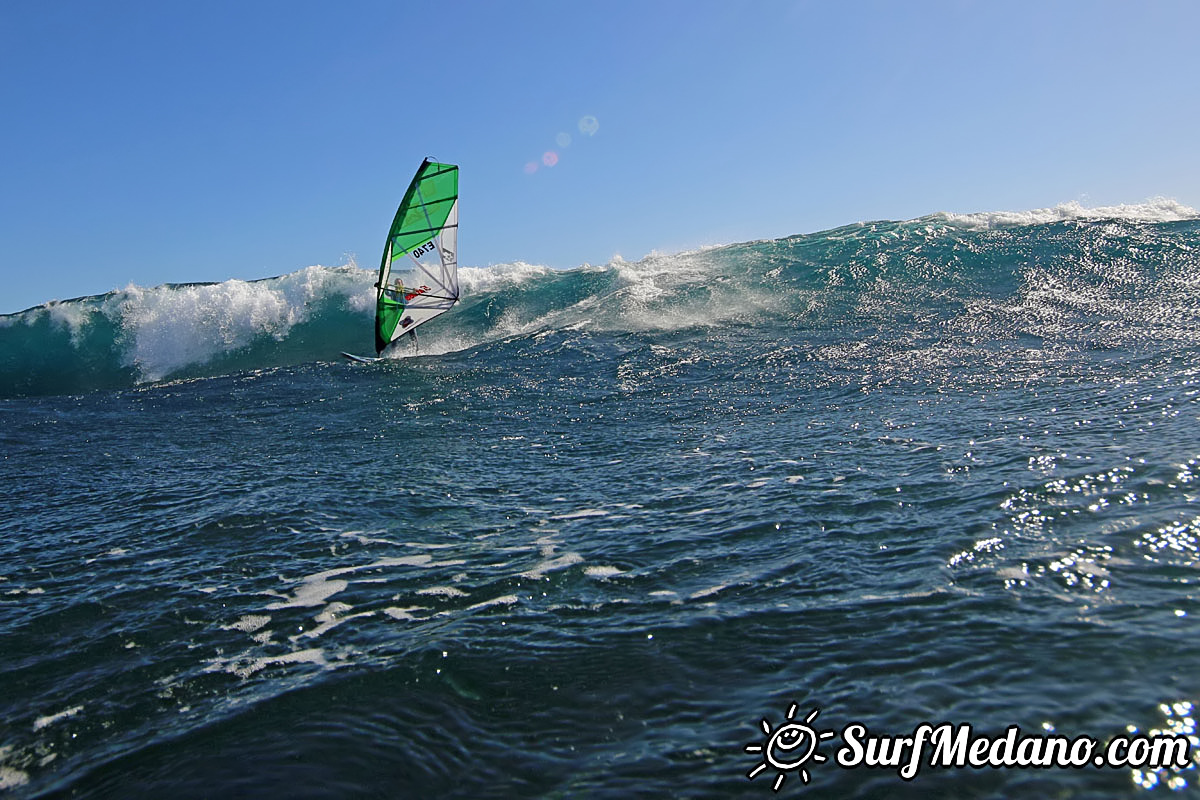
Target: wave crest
1159, 209
983, 274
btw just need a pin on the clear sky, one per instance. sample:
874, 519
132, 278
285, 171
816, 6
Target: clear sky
152, 142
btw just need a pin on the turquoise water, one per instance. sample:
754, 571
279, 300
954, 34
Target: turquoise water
610, 519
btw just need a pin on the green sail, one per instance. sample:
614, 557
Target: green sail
418, 277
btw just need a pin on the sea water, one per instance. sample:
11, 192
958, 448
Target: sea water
612, 529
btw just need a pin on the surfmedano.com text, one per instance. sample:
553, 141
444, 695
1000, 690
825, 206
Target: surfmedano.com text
956, 746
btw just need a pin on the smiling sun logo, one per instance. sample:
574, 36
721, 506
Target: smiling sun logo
789, 746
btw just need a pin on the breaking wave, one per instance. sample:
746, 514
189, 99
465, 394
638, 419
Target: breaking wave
1090, 277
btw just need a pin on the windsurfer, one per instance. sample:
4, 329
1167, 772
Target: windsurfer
397, 293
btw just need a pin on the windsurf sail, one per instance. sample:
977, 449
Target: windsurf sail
418, 278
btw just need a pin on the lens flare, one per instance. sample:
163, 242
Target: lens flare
563, 140
531, 167
589, 125
550, 158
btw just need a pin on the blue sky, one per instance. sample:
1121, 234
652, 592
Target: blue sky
153, 142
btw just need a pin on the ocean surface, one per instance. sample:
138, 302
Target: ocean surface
610, 523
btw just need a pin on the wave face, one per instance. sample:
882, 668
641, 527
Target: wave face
612, 520
1069, 276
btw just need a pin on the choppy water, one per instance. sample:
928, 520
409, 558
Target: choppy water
611, 519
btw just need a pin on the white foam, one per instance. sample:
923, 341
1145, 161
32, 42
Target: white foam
171, 327
11, 778
42, 722
504, 600
638, 298
315, 589
71, 315
1156, 210
314, 655
709, 592
249, 623
582, 513
442, 591
395, 612
562, 562
333, 615
499, 276
603, 572
312, 592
